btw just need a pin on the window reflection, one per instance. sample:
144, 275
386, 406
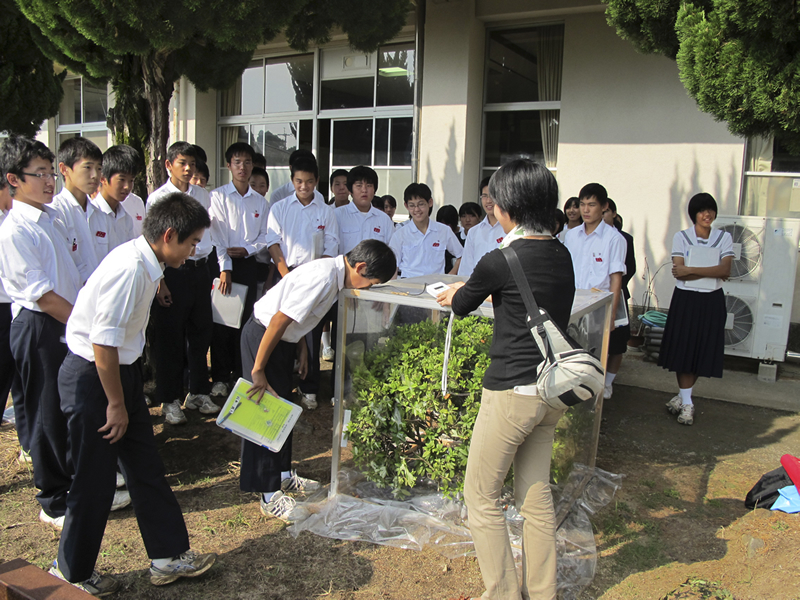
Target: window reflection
95, 102
70, 111
276, 141
356, 92
290, 83
352, 142
252, 89
396, 75
509, 134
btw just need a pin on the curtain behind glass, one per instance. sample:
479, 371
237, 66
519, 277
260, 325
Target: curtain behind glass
549, 58
759, 160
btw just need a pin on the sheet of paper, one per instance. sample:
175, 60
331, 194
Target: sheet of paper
227, 310
267, 423
701, 256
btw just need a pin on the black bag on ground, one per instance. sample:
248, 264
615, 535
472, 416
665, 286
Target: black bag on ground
765, 491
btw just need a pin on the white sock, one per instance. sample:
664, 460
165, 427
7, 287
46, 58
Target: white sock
686, 396
610, 378
160, 563
285, 475
268, 496
326, 339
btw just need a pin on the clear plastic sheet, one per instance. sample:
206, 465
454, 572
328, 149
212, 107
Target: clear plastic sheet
361, 511
8, 416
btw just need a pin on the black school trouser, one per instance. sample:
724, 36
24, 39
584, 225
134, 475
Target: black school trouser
158, 514
9, 377
226, 357
183, 329
261, 468
39, 348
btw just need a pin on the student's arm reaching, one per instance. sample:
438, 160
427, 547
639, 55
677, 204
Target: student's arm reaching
275, 330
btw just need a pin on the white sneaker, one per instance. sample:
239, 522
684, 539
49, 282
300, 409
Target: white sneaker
687, 414
219, 389
328, 353
607, 391
188, 564
280, 506
57, 522
309, 401
295, 483
122, 498
173, 414
202, 402
97, 585
674, 405
24, 458
120, 480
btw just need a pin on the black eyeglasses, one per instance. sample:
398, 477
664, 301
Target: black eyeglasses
45, 176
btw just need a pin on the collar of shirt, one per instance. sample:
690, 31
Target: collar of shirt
432, 225
318, 201
71, 199
712, 237
100, 203
353, 210
31, 213
230, 190
600, 230
340, 271
155, 269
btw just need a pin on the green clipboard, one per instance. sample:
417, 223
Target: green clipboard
267, 423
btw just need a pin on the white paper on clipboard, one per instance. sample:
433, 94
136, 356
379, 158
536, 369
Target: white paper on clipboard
621, 318
702, 256
227, 310
318, 241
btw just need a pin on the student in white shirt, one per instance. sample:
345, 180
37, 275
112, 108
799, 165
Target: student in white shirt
598, 257
182, 319
281, 319
420, 245
42, 282
287, 189
339, 189
134, 206
238, 232
103, 400
109, 223
79, 162
303, 228
694, 336
483, 237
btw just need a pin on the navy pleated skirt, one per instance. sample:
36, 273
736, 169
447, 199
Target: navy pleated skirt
694, 336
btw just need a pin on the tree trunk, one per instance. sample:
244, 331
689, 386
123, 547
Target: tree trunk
158, 74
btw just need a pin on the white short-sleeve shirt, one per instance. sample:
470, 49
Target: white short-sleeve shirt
237, 222
595, 257
203, 249
482, 239
305, 295
356, 226
304, 233
113, 307
4, 298
109, 228
79, 240
683, 240
34, 258
420, 253
134, 206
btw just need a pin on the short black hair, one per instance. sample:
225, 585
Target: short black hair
594, 190
258, 171
17, 153
699, 203
305, 164
121, 159
574, 200
200, 154
300, 153
470, 208
417, 190
528, 192
378, 203
184, 148
362, 173
78, 148
335, 174
202, 169
612, 205
259, 160
238, 148
380, 259
484, 182
176, 211
561, 220
448, 215
390, 199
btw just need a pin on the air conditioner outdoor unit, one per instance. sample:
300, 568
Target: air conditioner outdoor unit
759, 293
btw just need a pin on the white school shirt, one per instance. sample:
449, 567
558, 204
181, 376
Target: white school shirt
596, 256
683, 240
109, 228
237, 222
296, 227
286, 190
356, 226
4, 299
34, 258
134, 206
305, 295
113, 307
203, 249
79, 240
482, 239
423, 254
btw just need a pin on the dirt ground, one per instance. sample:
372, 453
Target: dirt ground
677, 529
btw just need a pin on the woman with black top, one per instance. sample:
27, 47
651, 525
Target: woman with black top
514, 424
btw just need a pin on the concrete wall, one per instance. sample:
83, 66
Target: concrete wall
628, 123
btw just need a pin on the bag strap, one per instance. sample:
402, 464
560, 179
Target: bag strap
536, 319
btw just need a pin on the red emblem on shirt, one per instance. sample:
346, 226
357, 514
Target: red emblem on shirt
376, 229
74, 244
138, 217
598, 259
100, 234
499, 240
321, 227
435, 244
256, 215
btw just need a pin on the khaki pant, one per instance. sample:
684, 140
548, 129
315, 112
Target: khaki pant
513, 428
